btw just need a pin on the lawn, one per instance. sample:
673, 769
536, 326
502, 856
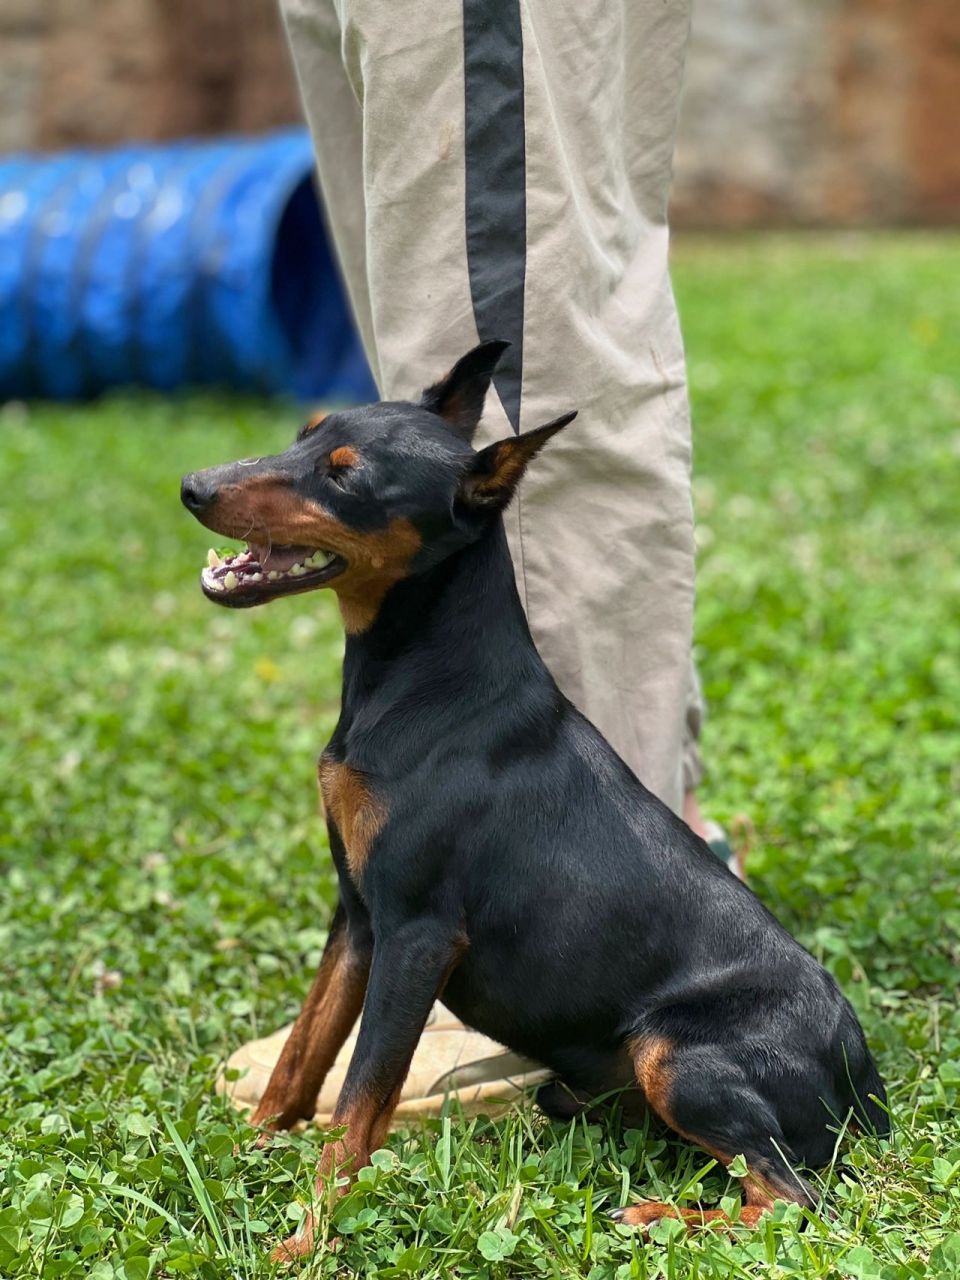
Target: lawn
167, 880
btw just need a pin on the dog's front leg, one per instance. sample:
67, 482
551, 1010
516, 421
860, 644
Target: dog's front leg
326, 1019
409, 970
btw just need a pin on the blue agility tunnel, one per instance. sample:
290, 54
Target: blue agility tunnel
175, 265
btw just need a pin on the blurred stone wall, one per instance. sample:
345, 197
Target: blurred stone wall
810, 112
821, 112
79, 72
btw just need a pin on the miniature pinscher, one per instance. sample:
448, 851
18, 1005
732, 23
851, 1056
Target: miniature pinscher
490, 845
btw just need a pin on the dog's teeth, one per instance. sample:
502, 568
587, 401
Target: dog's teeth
215, 584
296, 570
256, 577
213, 560
272, 576
230, 581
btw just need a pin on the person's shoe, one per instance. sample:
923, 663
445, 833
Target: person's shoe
451, 1061
719, 843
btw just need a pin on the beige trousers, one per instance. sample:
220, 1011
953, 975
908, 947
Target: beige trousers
500, 169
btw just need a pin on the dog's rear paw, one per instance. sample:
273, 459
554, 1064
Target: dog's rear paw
647, 1215
642, 1216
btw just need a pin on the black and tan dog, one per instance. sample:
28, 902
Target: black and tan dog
490, 845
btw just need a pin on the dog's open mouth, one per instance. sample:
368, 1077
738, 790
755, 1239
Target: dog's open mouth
261, 573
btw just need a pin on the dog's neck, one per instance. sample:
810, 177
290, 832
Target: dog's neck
445, 643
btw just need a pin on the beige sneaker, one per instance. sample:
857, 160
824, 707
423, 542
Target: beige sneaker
451, 1061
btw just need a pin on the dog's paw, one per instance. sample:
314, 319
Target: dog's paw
646, 1215
642, 1216
302, 1245
295, 1248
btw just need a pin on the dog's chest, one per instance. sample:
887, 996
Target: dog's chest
351, 805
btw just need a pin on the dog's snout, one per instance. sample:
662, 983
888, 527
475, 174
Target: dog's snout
197, 493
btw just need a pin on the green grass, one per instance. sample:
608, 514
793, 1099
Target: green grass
167, 886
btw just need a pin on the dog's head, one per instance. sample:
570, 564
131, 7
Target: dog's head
364, 497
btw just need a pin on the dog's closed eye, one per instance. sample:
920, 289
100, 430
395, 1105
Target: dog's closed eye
338, 464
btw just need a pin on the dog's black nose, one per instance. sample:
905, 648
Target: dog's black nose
196, 492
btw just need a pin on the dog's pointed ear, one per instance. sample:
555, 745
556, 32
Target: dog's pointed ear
458, 398
491, 479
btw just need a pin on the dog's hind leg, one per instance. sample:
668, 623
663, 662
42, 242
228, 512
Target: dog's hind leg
590, 1081
708, 1100
326, 1019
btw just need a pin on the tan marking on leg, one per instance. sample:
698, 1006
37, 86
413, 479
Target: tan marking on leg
645, 1215
351, 1152
381, 1125
758, 1194
653, 1211
367, 1119
358, 815
326, 1019
653, 1062
652, 1057
367, 1122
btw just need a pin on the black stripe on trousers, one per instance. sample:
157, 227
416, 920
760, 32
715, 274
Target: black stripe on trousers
496, 183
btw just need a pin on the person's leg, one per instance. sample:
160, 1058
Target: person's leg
605, 525
692, 761
315, 34
515, 173
709, 830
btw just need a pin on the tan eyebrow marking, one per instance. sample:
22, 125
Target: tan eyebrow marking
313, 423
344, 457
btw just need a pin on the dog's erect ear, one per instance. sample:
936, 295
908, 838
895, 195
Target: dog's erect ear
494, 473
458, 398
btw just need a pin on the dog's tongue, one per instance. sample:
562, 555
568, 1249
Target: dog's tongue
279, 558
